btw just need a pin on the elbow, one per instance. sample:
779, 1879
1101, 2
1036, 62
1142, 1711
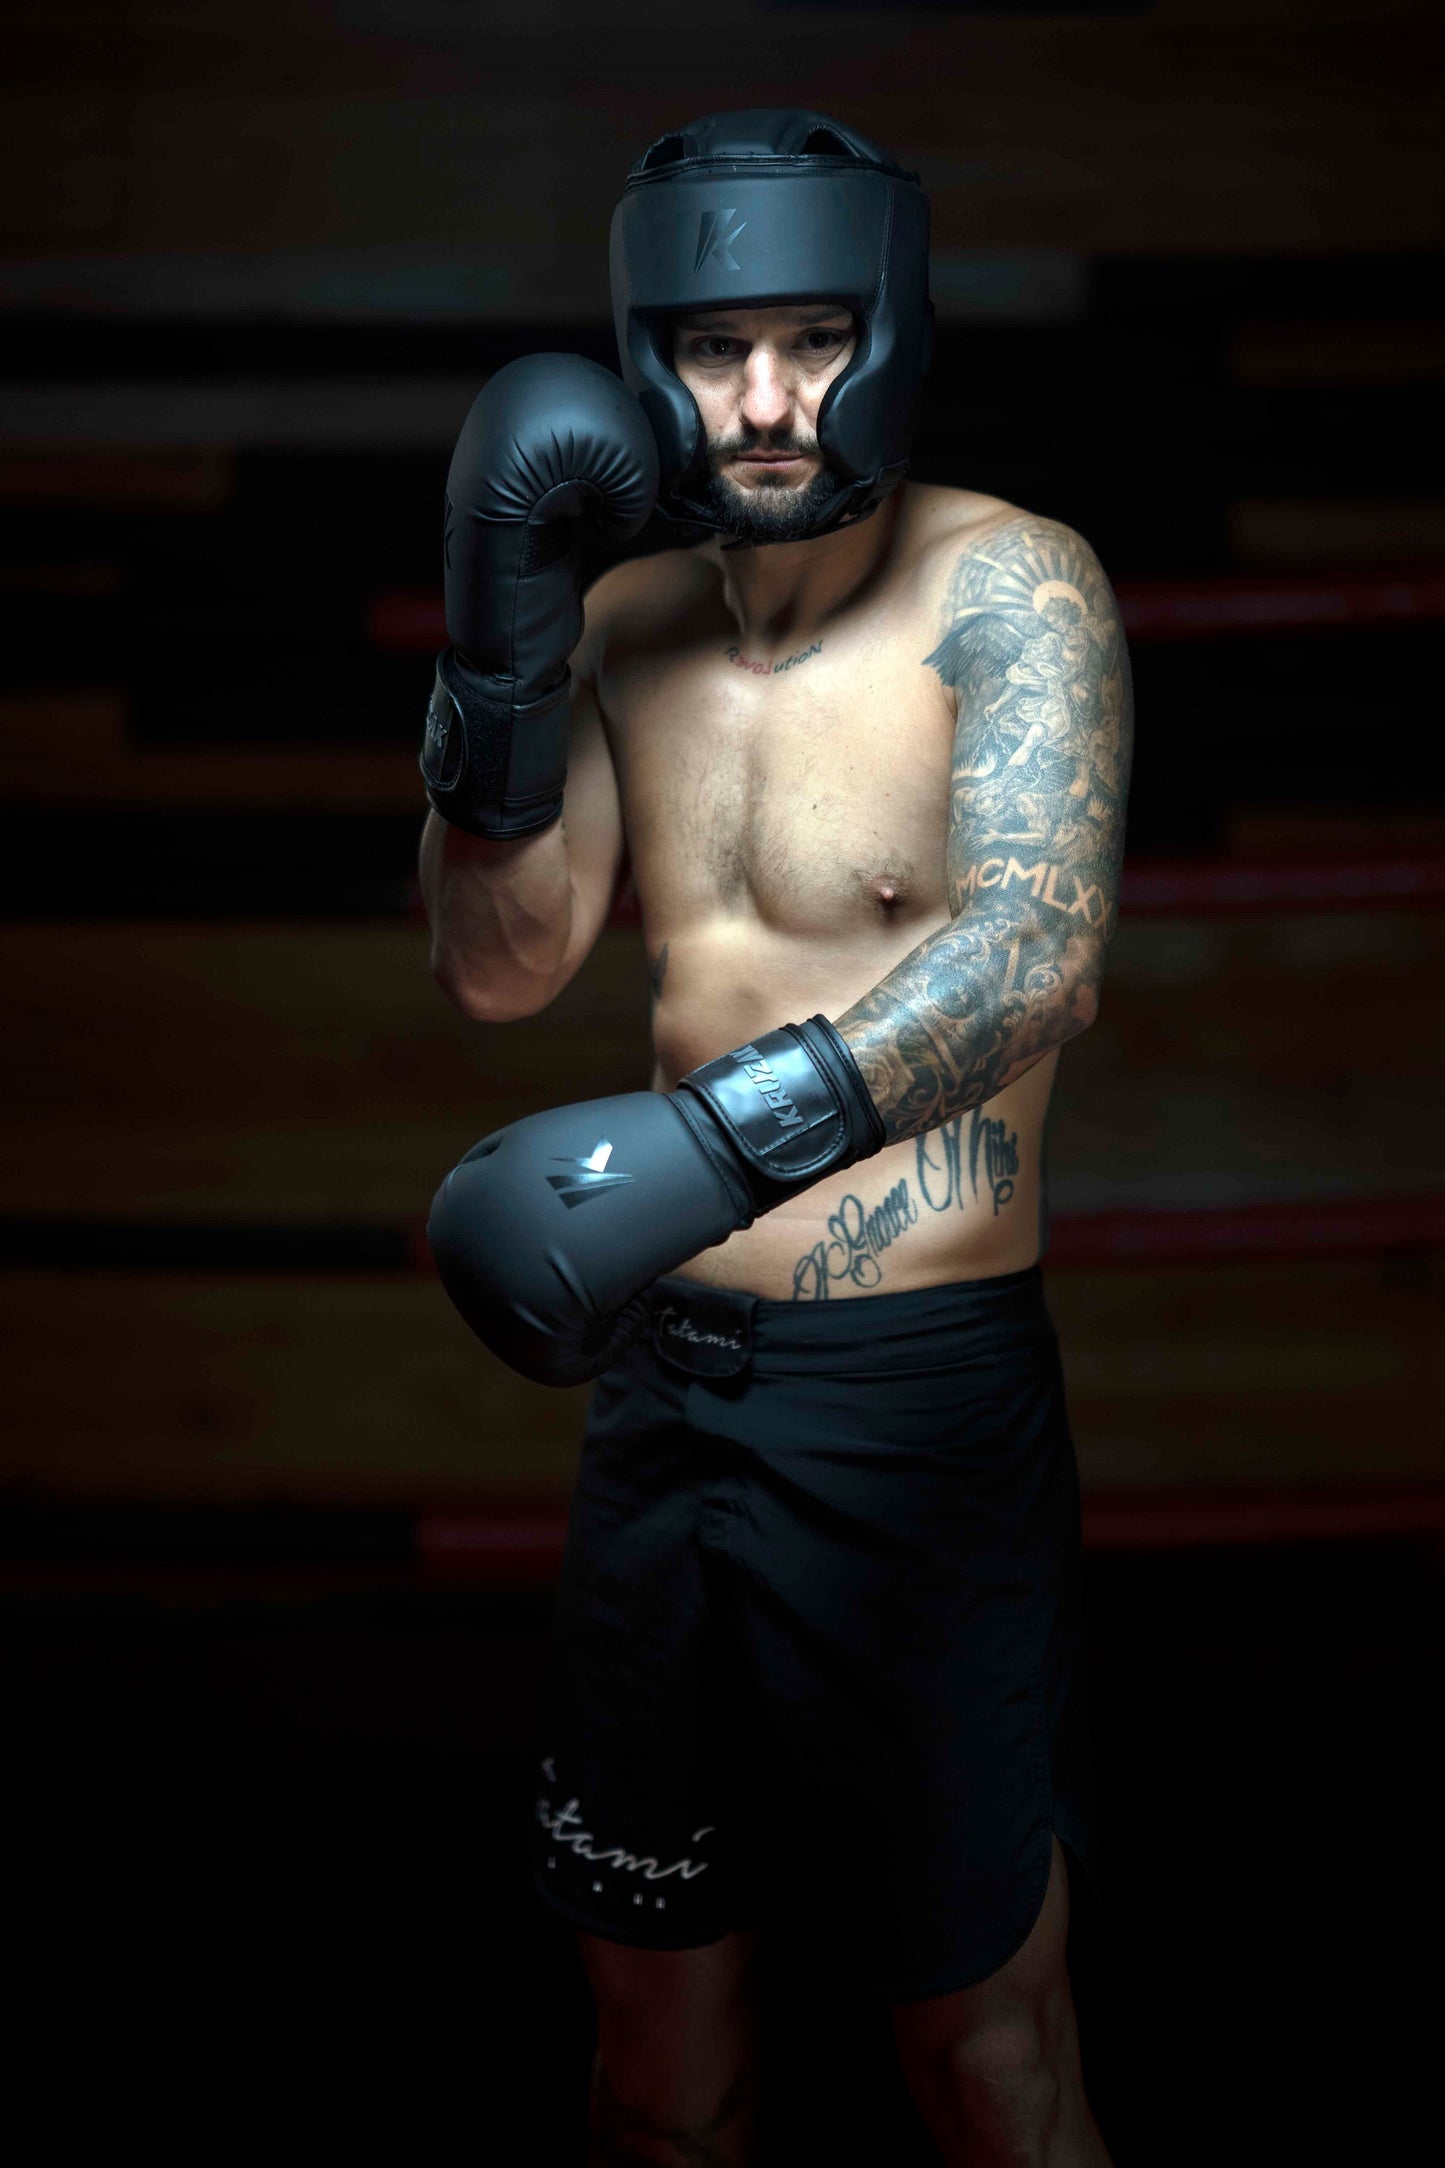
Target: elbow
1082, 1007
483, 1004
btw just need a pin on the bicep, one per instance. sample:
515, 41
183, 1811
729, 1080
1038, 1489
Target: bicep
1035, 651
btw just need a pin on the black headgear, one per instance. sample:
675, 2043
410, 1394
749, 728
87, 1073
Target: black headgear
748, 209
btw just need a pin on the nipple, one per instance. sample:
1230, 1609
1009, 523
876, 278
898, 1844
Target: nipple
888, 890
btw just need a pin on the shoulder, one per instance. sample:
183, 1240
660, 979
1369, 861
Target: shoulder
1006, 576
1016, 588
973, 547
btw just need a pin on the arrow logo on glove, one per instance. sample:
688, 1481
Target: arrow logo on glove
590, 1176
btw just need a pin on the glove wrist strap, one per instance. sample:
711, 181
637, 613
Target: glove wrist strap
492, 764
791, 1106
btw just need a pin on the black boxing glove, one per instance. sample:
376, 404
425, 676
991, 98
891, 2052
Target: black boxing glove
548, 1232
553, 439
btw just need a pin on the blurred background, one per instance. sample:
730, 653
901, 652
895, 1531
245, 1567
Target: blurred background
278, 1539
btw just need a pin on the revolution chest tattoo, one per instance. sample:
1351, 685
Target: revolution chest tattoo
740, 661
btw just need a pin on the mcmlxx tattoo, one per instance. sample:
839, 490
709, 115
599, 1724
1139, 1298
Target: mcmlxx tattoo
1032, 646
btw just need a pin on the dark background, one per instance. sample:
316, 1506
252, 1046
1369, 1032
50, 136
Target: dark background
277, 1538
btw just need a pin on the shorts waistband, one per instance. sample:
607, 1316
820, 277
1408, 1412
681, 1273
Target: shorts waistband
950, 1322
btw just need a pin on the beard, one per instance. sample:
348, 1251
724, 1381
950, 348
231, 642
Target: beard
769, 511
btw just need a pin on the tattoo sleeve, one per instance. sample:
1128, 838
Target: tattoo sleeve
1033, 647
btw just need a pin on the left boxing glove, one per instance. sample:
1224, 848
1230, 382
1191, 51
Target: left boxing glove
552, 440
549, 1231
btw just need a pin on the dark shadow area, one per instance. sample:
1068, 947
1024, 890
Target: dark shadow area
286, 1835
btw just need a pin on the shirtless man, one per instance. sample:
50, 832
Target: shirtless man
867, 749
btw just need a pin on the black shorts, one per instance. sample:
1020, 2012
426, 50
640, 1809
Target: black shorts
817, 1642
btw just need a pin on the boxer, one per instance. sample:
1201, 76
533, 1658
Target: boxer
865, 745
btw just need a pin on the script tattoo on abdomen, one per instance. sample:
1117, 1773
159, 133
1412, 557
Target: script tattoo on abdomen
1033, 648
853, 1244
856, 1238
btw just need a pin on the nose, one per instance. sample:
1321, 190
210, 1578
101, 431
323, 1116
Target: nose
767, 399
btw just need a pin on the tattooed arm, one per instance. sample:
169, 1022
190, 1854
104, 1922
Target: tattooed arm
1033, 648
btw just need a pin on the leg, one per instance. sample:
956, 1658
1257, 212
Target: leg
673, 2084
995, 2068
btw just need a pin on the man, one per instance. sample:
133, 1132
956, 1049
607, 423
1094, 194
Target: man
867, 747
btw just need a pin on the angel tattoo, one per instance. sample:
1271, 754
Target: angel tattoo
1035, 654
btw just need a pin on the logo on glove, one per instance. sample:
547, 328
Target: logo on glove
590, 1177
762, 1073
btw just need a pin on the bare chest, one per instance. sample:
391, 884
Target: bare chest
806, 790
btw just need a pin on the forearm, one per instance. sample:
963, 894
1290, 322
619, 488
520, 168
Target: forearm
500, 915
961, 1017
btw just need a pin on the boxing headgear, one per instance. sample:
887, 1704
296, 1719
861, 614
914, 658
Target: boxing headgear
743, 210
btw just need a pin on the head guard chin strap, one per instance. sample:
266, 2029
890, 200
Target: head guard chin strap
743, 210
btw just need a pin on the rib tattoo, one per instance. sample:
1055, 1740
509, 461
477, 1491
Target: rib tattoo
1033, 647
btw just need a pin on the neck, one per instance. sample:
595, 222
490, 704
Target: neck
784, 590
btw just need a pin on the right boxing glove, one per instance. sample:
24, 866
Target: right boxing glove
551, 440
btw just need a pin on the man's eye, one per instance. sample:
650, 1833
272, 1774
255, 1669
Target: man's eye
714, 349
